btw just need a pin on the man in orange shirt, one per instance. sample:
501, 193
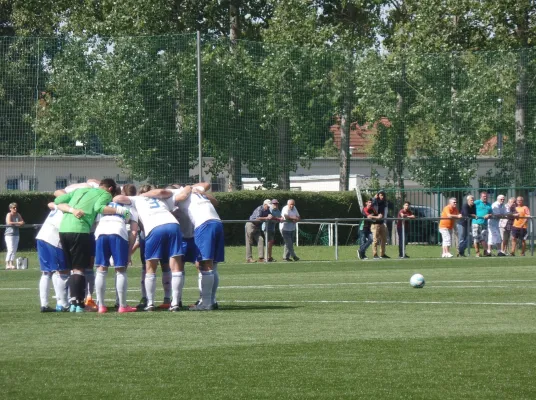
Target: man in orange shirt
447, 224
519, 227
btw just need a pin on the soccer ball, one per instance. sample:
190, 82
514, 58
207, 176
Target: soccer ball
417, 281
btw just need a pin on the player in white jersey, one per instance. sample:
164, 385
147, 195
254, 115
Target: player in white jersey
115, 242
208, 236
162, 238
52, 261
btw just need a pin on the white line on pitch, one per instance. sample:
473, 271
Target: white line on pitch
379, 302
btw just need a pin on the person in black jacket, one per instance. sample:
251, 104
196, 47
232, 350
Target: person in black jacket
468, 212
379, 229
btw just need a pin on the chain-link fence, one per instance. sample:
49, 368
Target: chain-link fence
136, 109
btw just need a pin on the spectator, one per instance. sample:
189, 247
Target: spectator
11, 235
366, 233
403, 235
505, 225
269, 227
447, 224
468, 213
480, 223
290, 216
253, 230
519, 227
379, 229
498, 211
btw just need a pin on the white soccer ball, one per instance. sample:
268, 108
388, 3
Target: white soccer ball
417, 281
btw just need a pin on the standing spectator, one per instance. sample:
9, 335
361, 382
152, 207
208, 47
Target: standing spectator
480, 223
254, 233
405, 212
11, 235
379, 229
447, 224
366, 233
290, 216
519, 227
269, 227
498, 211
468, 213
505, 225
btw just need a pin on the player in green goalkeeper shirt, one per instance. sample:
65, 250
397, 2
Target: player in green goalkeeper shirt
84, 206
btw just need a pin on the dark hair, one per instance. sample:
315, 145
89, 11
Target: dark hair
407, 202
109, 183
145, 189
129, 190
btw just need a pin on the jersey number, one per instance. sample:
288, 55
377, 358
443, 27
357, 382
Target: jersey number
154, 203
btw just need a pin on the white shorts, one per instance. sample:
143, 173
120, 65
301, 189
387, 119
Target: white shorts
446, 234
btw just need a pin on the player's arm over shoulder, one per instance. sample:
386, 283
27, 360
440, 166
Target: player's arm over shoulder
65, 198
102, 201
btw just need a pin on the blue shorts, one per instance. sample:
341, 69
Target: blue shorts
163, 242
50, 258
190, 250
111, 246
93, 242
209, 240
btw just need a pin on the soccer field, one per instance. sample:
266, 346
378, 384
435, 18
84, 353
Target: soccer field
311, 329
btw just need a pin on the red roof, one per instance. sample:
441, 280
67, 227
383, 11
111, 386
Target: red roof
361, 136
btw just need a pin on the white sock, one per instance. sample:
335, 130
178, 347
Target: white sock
100, 285
143, 291
207, 281
216, 282
177, 283
199, 277
90, 281
117, 300
150, 287
60, 287
121, 287
44, 284
166, 283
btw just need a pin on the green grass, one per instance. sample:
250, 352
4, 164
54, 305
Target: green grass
326, 330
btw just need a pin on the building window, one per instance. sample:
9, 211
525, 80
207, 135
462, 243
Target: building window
22, 182
12, 184
61, 183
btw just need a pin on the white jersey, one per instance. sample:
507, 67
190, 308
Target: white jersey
496, 209
152, 212
199, 207
288, 225
50, 231
114, 224
181, 213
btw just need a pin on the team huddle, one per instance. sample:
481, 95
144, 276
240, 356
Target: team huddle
87, 226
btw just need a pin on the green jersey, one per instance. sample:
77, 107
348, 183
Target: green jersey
90, 201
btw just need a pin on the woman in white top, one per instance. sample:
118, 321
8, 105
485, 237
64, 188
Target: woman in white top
11, 235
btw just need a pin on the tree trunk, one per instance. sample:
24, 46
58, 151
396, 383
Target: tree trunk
400, 139
283, 131
344, 157
520, 121
235, 171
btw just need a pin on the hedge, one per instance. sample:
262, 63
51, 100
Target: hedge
232, 206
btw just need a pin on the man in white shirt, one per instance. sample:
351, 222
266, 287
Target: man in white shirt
498, 211
290, 216
163, 238
114, 241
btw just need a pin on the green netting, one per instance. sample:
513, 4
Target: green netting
271, 115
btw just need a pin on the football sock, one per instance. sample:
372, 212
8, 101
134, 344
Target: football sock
77, 288
199, 277
166, 283
90, 280
60, 287
44, 284
100, 286
143, 291
207, 281
150, 287
117, 301
177, 283
216, 282
121, 287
